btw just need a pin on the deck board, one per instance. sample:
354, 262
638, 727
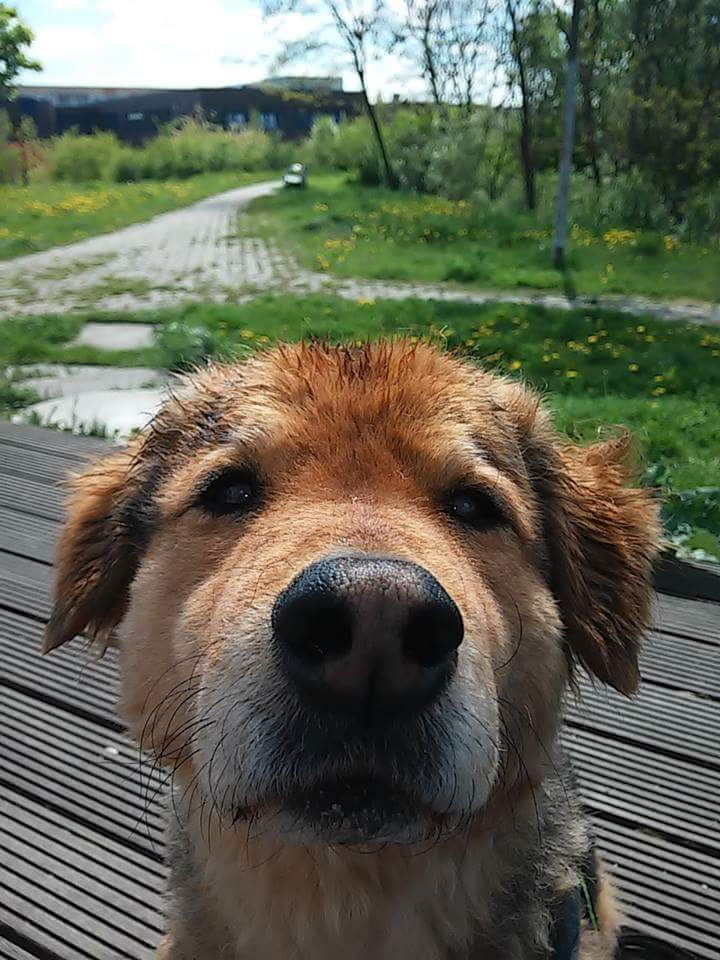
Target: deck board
82, 829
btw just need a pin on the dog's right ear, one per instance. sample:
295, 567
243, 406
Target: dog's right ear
98, 552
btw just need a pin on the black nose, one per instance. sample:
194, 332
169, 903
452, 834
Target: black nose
367, 634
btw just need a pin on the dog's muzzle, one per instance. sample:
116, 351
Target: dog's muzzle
370, 636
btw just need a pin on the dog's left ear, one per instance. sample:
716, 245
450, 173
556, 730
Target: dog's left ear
98, 553
602, 536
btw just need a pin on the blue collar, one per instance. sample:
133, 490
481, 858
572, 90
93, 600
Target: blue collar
566, 920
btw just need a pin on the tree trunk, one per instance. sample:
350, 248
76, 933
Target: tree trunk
588, 73
571, 83
526, 154
391, 179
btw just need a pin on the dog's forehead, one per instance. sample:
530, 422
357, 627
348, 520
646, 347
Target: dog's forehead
403, 383
391, 396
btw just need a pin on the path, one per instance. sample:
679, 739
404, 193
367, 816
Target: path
191, 253
195, 254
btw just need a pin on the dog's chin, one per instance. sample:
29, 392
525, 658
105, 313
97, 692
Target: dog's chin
360, 812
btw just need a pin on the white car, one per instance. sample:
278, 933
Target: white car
295, 175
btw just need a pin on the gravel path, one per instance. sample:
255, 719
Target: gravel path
195, 254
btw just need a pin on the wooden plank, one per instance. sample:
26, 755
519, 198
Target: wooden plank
682, 663
626, 783
82, 770
10, 950
74, 892
666, 721
51, 443
665, 889
687, 578
33, 465
72, 677
699, 619
25, 586
28, 536
33, 498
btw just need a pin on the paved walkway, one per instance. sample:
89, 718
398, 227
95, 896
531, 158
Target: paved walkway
191, 253
195, 254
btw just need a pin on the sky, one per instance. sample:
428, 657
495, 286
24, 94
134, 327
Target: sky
179, 43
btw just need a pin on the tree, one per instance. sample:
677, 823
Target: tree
571, 83
588, 67
449, 40
518, 57
361, 28
673, 63
15, 38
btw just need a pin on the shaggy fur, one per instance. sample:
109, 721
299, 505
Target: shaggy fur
353, 452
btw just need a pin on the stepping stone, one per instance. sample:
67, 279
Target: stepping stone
114, 413
116, 336
56, 380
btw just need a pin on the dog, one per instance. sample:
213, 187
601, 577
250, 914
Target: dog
350, 587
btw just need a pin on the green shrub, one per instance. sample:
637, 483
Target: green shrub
649, 244
183, 345
195, 147
701, 218
80, 158
128, 166
10, 165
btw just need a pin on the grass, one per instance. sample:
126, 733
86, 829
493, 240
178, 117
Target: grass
45, 215
351, 231
596, 366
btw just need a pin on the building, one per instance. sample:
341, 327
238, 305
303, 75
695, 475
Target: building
288, 106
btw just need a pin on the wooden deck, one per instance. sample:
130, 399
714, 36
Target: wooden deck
81, 871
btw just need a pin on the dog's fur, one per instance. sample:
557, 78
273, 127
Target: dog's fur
356, 449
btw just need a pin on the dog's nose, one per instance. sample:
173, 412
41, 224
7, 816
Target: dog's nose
367, 634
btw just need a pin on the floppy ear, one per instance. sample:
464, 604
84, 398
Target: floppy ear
98, 552
602, 537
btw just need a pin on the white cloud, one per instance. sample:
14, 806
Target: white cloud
180, 43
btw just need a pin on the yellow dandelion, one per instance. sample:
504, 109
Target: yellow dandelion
633, 367
658, 391
640, 328
516, 364
571, 374
658, 378
247, 334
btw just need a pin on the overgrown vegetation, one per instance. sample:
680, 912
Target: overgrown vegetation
345, 231
47, 214
183, 149
596, 368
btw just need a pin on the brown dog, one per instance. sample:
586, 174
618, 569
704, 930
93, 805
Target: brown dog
352, 587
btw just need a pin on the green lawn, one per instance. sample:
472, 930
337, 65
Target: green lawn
47, 214
351, 231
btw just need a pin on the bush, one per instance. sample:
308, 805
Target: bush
80, 158
701, 218
128, 166
196, 147
10, 165
649, 244
183, 346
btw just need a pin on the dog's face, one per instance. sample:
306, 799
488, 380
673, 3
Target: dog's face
352, 585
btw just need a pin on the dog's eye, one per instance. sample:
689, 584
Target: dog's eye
233, 491
474, 508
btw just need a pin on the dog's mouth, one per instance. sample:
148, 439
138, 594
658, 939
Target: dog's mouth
352, 810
